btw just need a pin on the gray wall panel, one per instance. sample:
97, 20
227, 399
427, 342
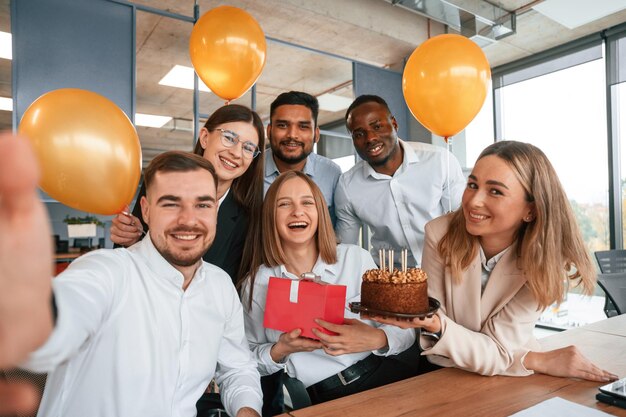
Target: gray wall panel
386, 84
86, 44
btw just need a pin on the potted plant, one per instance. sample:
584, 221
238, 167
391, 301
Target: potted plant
82, 226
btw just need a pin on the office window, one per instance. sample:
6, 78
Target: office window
620, 94
6, 90
564, 114
479, 133
164, 83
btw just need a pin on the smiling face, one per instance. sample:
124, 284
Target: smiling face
495, 204
181, 210
229, 162
296, 213
292, 133
374, 134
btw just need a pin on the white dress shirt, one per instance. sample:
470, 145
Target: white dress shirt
487, 266
396, 208
312, 367
130, 342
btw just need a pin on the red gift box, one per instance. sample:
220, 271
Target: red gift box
294, 304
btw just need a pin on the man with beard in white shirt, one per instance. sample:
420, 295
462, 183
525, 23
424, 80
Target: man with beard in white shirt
141, 331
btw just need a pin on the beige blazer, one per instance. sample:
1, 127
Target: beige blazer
490, 333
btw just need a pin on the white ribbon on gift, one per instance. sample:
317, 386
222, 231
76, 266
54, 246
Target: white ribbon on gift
295, 284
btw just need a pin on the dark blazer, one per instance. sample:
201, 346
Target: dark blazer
230, 235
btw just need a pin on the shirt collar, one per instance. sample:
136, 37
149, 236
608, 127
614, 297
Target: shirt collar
221, 200
309, 165
270, 165
488, 265
410, 157
159, 266
320, 268
272, 170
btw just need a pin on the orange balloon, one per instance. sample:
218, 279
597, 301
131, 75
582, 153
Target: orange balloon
88, 150
227, 48
445, 83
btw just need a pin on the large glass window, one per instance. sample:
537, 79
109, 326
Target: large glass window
6, 96
564, 114
479, 133
620, 90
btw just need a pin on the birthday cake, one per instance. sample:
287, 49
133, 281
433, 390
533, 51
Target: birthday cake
398, 291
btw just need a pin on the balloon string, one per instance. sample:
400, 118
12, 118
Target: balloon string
449, 146
227, 102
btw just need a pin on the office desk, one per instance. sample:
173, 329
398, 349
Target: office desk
452, 392
614, 325
66, 257
63, 260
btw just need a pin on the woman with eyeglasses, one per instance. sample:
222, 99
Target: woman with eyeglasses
232, 139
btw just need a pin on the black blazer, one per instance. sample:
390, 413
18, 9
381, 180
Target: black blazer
230, 234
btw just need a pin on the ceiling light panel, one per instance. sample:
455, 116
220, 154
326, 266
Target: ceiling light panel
333, 102
151, 120
6, 104
6, 46
181, 76
575, 13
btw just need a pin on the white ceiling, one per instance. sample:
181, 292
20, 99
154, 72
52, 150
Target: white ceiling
370, 31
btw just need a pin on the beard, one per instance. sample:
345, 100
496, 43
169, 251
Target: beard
381, 160
278, 153
183, 257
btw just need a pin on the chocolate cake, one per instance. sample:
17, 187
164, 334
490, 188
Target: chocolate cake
397, 292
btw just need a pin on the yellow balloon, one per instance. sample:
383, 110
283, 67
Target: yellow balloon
227, 48
445, 83
88, 150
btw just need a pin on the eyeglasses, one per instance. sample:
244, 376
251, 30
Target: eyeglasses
230, 139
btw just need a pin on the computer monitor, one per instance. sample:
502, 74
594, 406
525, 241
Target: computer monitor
82, 242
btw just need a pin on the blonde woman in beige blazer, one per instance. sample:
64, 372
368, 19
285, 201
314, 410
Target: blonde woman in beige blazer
510, 251
495, 328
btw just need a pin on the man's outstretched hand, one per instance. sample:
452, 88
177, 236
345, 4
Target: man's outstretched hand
25, 254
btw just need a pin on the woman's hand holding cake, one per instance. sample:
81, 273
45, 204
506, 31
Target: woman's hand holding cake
430, 324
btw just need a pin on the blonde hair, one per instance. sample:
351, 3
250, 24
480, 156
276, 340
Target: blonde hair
271, 253
550, 248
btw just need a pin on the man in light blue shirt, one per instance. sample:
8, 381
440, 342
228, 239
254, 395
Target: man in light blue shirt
292, 132
397, 188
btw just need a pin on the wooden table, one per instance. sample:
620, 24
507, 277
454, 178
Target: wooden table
66, 257
452, 392
63, 260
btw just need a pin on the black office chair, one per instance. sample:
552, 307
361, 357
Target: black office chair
614, 285
611, 261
